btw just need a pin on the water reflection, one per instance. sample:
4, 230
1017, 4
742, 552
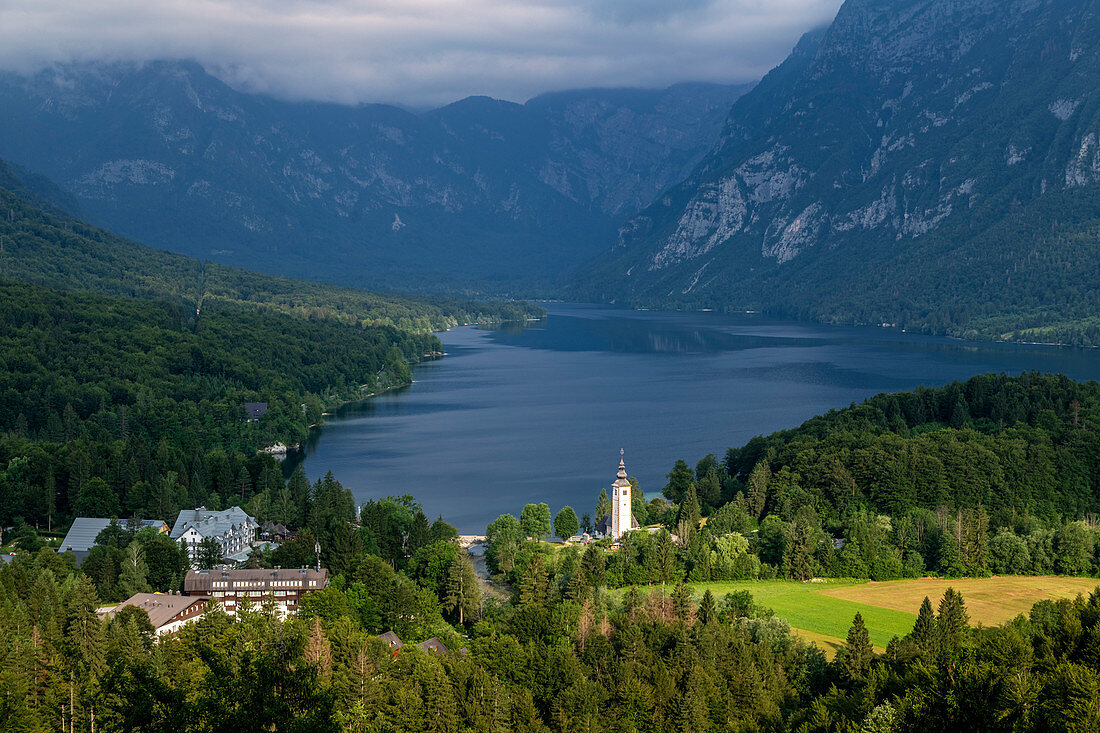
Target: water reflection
538, 413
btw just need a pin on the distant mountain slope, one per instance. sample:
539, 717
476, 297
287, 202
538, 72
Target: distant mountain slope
49, 249
930, 163
479, 190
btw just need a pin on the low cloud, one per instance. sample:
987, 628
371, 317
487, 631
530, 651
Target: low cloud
419, 52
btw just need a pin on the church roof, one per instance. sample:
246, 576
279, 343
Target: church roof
621, 480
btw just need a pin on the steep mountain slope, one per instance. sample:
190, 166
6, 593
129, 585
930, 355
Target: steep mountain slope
41, 245
930, 163
377, 195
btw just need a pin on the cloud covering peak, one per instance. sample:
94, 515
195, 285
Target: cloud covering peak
419, 52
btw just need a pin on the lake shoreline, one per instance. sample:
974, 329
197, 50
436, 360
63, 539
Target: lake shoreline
517, 415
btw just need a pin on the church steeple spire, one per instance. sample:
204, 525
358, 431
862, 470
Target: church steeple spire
621, 516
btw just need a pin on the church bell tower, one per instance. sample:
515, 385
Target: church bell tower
621, 514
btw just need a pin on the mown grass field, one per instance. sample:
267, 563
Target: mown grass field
826, 618
822, 612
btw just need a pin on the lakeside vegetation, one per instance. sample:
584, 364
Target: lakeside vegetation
557, 651
112, 405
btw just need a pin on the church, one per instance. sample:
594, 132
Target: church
621, 519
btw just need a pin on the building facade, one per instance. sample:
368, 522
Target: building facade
232, 529
621, 519
621, 513
167, 613
230, 588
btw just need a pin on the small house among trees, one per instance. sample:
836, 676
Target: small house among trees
253, 411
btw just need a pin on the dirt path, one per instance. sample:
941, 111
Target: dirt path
489, 588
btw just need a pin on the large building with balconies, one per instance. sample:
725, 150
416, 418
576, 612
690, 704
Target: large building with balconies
232, 529
284, 586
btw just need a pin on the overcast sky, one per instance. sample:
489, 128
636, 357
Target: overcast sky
420, 52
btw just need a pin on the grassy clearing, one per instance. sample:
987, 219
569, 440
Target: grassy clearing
828, 644
807, 608
822, 612
990, 601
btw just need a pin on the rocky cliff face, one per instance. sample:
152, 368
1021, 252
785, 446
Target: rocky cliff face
480, 189
885, 153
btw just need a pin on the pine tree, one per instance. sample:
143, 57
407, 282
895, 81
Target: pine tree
418, 532
858, 652
708, 612
532, 587
603, 506
132, 579
300, 493
318, 650
682, 605
924, 630
593, 564
665, 557
952, 621
209, 553
710, 488
463, 591
690, 514
632, 601
757, 492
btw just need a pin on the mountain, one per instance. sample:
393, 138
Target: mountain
480, 190
40, 244
927, 163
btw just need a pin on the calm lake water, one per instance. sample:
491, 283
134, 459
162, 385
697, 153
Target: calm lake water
516, 415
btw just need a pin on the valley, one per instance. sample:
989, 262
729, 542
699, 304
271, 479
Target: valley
802, 433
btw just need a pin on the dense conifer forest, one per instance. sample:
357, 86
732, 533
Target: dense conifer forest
122, 395
549, 647
996, 474
45, 246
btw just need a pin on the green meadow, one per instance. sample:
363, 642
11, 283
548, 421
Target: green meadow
822, 611
806, 608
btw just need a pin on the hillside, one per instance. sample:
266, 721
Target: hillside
929, 163
46, 247
480, 192
1019, 446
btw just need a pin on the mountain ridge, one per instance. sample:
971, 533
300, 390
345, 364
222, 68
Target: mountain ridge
372, 195
905, 146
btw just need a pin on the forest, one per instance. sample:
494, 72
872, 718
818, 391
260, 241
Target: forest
542, 658
124, 370
122, 397
41, 244
995, 475
137, 393
549, 646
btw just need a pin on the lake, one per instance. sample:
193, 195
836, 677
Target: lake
527, 414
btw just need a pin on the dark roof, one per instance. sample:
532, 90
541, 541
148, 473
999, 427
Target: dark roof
201, 581
255, 410
433, 645
391, 640
210, 523
81, 536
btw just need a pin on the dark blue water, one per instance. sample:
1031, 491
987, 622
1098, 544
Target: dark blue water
518, 415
